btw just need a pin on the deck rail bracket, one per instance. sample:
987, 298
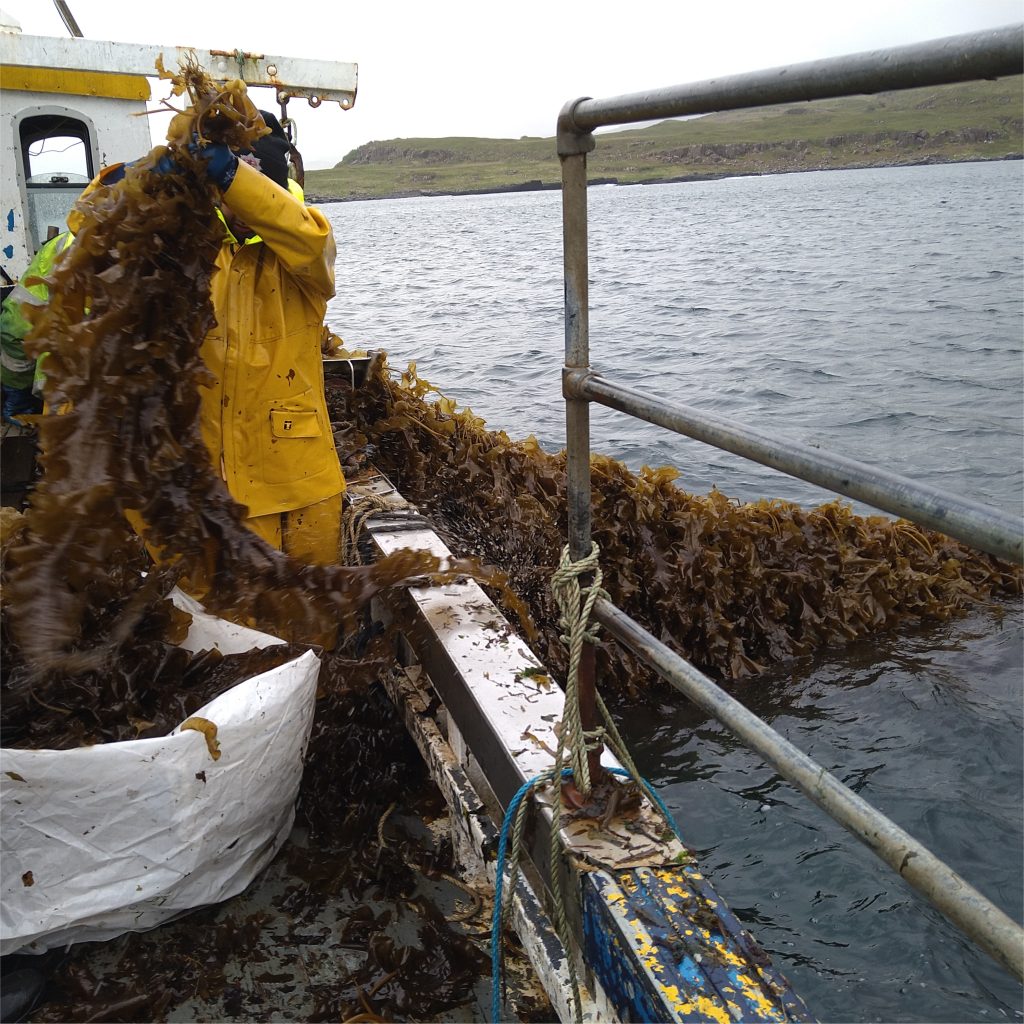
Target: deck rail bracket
574, 381
572, 140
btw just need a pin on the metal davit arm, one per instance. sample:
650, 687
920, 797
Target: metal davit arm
316, 80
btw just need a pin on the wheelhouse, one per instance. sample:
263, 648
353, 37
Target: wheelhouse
58, 128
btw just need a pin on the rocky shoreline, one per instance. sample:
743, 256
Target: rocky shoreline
536, 185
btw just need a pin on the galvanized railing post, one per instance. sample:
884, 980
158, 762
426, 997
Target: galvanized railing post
573, 147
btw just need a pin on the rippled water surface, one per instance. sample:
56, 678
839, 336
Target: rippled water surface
877, 313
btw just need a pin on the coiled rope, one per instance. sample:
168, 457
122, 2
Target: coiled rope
353, 517
513, 823
575, 604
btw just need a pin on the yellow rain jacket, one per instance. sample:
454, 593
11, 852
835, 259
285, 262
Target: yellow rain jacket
265, 420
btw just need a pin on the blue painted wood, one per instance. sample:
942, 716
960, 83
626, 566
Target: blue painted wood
666, 948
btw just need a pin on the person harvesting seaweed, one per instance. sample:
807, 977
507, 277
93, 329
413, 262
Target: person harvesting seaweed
264, 417
136, 340
263, 413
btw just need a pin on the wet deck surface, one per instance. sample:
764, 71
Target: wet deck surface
290, 950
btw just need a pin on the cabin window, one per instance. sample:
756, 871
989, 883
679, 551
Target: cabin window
56, 152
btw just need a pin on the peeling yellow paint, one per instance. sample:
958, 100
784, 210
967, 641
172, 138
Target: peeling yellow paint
729, 956
653, 964
644, 944
711, 1009
747, 997
755, 995
707, 1008
673, 998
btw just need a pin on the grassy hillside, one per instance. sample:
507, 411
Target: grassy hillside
974, 121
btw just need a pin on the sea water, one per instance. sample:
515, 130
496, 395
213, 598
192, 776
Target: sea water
876, 313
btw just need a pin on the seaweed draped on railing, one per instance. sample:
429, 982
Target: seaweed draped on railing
733, 587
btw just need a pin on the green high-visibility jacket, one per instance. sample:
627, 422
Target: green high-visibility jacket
17, 370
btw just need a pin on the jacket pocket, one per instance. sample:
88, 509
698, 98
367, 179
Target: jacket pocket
300, 423
293, 446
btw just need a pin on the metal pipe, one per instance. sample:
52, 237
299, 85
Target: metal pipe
68, 18
577, 410
963, 905
983, 528
577, 349
988, 54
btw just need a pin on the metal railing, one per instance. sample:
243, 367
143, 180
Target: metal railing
989, 54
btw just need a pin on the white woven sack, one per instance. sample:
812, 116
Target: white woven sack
121, 837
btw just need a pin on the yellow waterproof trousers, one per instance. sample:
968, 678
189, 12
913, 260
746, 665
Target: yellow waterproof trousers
311, 534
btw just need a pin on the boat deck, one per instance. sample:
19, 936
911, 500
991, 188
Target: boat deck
378, 929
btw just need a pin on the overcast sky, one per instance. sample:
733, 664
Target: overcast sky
454, 67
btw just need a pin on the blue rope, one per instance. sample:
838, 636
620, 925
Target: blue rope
499, 881
656, 800
499, 884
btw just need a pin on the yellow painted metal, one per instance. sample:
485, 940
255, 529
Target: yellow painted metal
74, 83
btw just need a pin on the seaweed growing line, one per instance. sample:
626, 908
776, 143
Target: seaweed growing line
129, 309
732, 587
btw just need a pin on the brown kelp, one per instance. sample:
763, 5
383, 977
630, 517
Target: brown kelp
734, 587
129, 309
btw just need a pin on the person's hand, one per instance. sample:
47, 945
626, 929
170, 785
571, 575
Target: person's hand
221, 163
167, 165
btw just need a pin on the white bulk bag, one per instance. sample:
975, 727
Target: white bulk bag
118, 837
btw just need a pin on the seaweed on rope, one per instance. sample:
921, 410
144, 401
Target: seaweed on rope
733, 587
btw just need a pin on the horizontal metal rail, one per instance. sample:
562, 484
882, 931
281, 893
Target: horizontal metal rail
974, 524
989, 54
974, 915
993, 53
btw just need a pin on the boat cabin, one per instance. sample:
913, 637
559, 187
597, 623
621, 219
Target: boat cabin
59, 128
